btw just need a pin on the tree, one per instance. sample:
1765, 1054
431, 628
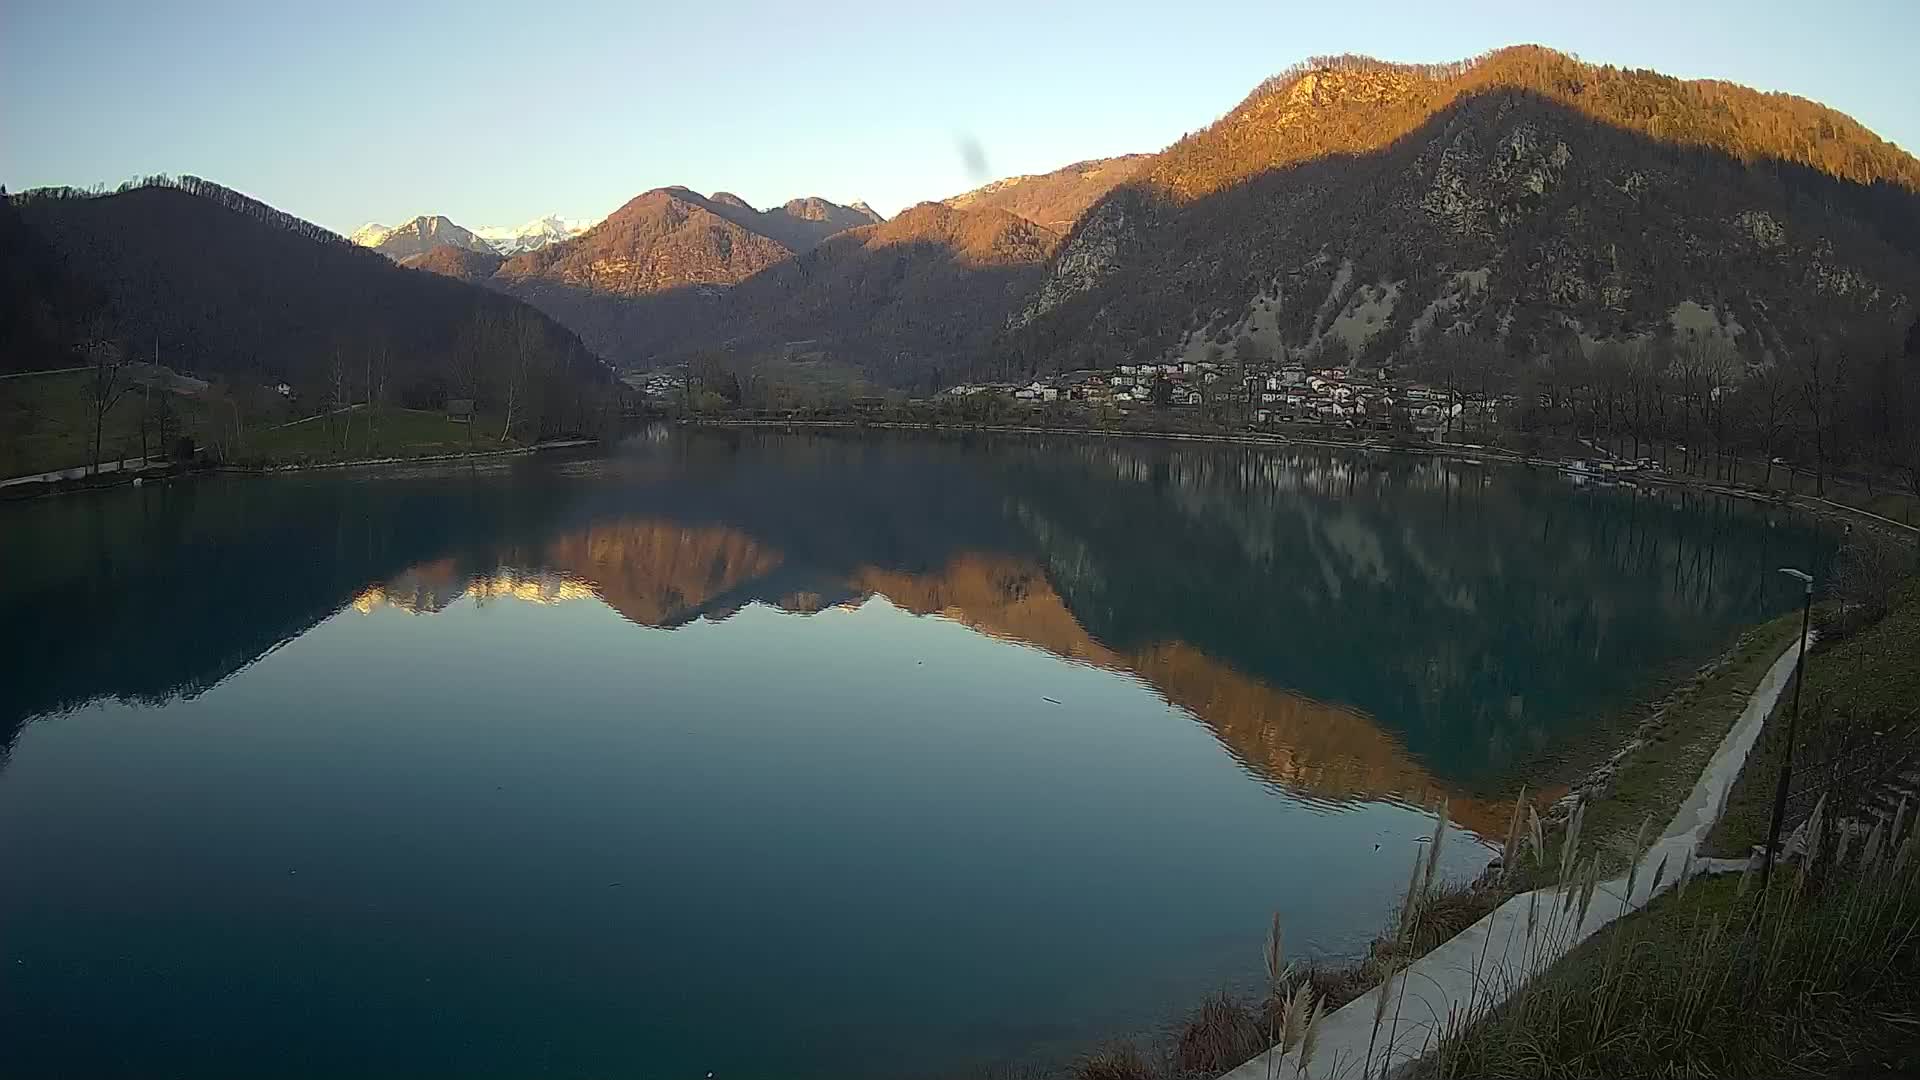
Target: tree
523, 348
338, 398
1820, 370
377, 363
1771, 393
106, 382
707, 373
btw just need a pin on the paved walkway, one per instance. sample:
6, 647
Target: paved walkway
1479, 968
132, 464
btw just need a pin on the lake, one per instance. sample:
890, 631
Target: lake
782, 755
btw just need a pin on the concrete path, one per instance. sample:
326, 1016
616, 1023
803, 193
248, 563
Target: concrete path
132, 464
1479, 968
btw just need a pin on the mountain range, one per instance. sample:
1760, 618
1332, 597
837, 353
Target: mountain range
424, 233
1520, 206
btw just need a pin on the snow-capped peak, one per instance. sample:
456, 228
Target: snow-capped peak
372, 234
535, 234
505, 239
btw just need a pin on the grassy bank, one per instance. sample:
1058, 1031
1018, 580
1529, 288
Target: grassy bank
1663, 744
1877, 669
1666, 750
1817, 975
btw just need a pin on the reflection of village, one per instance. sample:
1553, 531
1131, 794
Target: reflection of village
658, 573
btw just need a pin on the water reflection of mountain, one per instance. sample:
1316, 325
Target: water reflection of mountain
1471, 615
1323, 751
659, 574
438, 585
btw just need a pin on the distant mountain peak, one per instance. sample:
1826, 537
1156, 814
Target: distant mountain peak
425, 232
810, 208
372, 234
728, 198
531, 236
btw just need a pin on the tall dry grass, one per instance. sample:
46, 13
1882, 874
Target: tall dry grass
1224, 1033
1735, 981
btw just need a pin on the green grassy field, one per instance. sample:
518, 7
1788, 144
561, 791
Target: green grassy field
46, 422
1878, 668
388, 431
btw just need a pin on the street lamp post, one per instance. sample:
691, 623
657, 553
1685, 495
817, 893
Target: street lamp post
1793, 720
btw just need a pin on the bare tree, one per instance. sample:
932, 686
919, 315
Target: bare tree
1820, 371
107, 381
338, 400
377, 363
1772, 395
525, 343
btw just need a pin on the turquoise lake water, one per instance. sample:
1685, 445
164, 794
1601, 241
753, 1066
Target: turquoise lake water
768, 755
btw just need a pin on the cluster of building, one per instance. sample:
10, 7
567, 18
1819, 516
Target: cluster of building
1289, 392
663, 383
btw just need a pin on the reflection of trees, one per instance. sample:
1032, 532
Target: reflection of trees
1476, 612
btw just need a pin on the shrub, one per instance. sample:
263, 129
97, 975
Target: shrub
1865, 577
1220, 1035
1116, 1063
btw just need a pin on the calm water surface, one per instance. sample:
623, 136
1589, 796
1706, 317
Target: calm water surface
779, 756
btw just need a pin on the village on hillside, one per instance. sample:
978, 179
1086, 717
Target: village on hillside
1285, 393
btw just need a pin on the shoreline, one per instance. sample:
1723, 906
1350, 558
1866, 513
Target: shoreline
428, 459
1463, 979
27, 491
1809, 504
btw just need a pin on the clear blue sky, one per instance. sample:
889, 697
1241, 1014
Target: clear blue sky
345, 111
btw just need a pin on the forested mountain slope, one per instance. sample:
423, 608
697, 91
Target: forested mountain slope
1055, 199
1517, 204
224, 285
661, 239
